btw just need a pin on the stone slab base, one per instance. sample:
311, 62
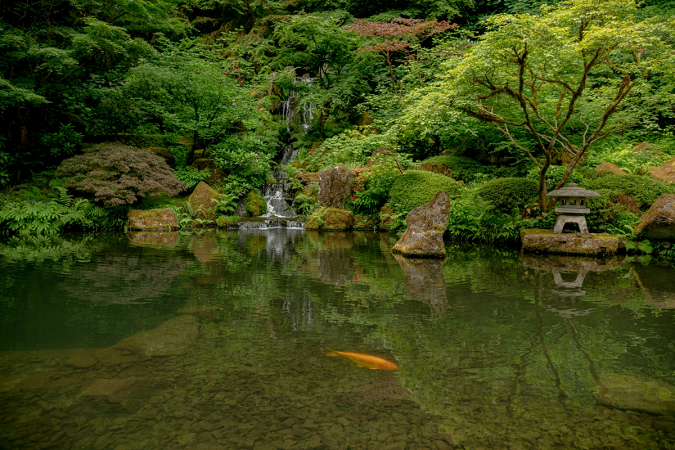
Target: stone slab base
544, 241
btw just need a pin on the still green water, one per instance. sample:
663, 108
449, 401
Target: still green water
218, 340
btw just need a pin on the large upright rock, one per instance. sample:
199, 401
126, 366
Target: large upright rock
659, 221
206, 198
426, 225
336, 186
153, 219
330, 219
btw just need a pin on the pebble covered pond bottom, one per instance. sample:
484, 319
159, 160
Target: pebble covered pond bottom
219, 340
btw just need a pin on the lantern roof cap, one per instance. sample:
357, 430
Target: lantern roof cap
573, 191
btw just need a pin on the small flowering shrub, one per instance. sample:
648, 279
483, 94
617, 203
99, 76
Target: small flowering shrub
117, 174
372, 186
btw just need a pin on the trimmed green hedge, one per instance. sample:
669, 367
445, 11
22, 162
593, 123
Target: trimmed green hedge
509, 193
462, 168
417, 187
644, 189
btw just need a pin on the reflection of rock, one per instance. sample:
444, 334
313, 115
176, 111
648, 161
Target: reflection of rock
122, 279
426, 225
659, 221
336, 186
545, 241
203, 312
157, 239
625, 392
153, 219
425, 282
173, 337
577, 264
658, 285
204, 246
335, 267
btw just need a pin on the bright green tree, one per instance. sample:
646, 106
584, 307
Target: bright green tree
557, 82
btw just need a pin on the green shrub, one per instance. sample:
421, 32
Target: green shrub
462, 168
191, 176
644, 189
509, 193
608, 215
417, 187
255, 203
554, 174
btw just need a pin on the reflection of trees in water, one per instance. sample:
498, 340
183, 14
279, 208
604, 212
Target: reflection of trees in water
114, 279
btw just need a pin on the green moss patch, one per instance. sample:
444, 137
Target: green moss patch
416, 188
461, 167
255, 203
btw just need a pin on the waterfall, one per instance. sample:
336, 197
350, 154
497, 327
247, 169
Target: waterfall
290, 110
275, 195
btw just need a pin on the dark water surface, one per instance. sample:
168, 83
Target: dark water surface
218, 340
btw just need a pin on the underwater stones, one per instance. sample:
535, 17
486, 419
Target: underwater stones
610, 167
659, 221
153, 219
626, 392
203, 200
426, 224
173, 337
116, 390
336, 186
545, 241
82, 361
154, 239
425, 282
328, 219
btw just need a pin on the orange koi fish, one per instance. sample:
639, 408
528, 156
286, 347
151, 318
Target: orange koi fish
363, 360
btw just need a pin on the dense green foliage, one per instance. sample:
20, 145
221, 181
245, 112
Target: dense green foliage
417, 187
644, 189
542, 89
507, 194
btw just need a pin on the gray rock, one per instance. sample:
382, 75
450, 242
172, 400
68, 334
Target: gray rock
426, 224
336, 186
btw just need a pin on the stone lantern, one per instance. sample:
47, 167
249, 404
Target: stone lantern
572, 205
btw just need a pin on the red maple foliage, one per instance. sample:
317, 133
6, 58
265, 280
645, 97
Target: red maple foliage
394, 34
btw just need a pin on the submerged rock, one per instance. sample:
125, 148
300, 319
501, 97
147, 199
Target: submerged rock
330, 219
659, 221
626, 392
117, 390
336, 186
545, 241
426, 224
153, 219
173, 337
203, 201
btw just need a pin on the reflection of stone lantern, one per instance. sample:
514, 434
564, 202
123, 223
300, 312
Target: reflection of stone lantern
572, 205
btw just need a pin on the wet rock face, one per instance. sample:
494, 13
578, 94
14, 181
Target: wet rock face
206, 198
610, 167
153, 219
336, 186
330, 219
424, 236
659, 221
545, 241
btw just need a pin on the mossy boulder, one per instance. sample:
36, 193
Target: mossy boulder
659, 221
227, 221
545, 241
417, 187
385, 217
457, 167
426, 224
610, 167
153, 219
328, 219
364, 223
203, 201
507, 194
255, 203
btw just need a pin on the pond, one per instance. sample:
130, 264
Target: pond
219, 340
